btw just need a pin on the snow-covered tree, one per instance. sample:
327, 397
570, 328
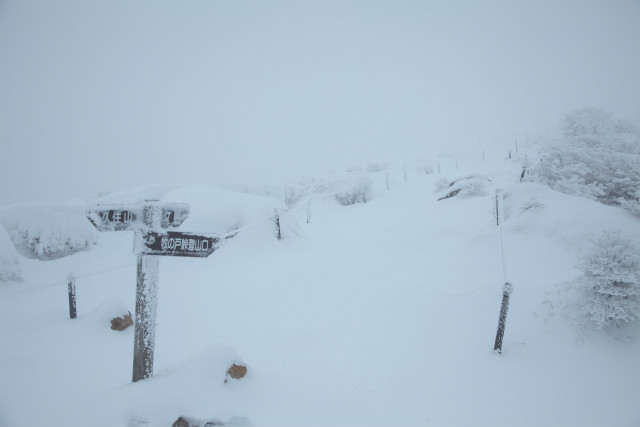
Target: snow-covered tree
597, 157
611, 281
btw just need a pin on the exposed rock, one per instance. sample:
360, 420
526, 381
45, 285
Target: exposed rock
236, 372
451, 194
193, 422
181, 422
121, 323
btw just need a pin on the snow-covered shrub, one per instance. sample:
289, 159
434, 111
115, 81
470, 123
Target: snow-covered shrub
359, 193
611, 281
597, 157
473, 188
48, 232
427, 170
376, 167
632, 205
9, 261
293, 193
533, 204
10, 270
470, 186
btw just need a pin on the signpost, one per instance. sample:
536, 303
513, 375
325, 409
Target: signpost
174, 243
147, 221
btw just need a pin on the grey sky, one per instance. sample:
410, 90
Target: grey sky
104, 95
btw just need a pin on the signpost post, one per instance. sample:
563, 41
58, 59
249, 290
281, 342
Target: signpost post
148, 220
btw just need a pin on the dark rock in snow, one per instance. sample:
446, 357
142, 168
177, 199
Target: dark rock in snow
121, 323
193, 422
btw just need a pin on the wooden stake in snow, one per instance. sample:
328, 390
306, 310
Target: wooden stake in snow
71, 280
387, 181
506, 292
507, 288
278, 231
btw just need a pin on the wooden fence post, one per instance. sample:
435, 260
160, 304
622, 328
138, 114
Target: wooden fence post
71, 281
278, 231
506, 292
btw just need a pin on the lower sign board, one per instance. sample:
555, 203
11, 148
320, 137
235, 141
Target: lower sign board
175, 243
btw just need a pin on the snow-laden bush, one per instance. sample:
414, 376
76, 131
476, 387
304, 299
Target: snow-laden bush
597, 157
358, 193
48, 232
467, 187
611, 281
9, 260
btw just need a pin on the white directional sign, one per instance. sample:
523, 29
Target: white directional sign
130, 217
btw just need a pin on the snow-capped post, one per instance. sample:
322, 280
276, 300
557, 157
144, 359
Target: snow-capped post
387, 180
497, 208
147, 220
277, 219
506, 292
309, 210
71, 281
516, 145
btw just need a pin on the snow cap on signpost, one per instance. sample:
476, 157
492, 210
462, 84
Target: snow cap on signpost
131, 216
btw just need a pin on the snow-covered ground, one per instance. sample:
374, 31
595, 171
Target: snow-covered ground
374, 314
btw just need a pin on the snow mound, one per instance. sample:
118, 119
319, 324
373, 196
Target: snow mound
48, 231
147, 192
217, 211
206, 372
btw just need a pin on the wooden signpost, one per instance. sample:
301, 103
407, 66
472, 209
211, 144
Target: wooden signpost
148, 220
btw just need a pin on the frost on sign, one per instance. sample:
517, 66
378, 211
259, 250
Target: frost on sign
133, 216
173, 243
118, 219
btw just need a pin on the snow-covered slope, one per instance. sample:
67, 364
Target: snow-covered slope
382, 313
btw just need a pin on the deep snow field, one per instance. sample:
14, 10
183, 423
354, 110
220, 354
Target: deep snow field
375, 314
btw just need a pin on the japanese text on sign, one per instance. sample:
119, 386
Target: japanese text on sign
185, 244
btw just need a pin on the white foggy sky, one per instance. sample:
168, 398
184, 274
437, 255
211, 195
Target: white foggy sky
105, 95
